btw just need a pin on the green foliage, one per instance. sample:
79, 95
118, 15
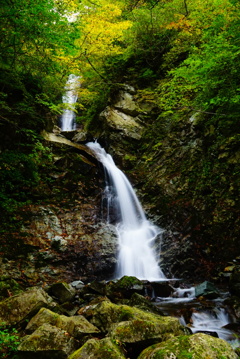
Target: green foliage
9, 342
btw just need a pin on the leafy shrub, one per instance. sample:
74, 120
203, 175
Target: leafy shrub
9, 341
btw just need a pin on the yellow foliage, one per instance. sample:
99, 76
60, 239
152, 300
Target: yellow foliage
102, 30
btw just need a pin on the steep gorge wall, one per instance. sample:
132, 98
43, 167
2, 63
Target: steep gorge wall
186, 185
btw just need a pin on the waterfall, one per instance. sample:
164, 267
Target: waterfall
136, 234
70, 97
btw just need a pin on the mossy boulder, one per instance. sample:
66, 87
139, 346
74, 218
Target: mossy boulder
62, 291
98, 349
22, 307
76, 326
151, 330
105, 314
139, 301
197, 346
124, 287
47, 342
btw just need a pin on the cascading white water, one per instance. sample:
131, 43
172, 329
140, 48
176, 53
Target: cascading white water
70, 98
135, 233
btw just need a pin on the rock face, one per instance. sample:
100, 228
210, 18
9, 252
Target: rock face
120, 121
197, 346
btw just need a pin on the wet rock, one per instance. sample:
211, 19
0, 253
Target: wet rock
21, 307
162, 289
77, 284
125, 287
80, 136
98, 349
47, 342
76, 326
62, 291
198, 346
207, 290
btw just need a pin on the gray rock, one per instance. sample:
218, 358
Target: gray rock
126, 103
120, 121
207, 290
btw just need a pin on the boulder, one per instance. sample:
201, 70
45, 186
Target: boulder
47, 342
62, 291
207, 290
162, 289
105, 314
125, 287
76, 326
22, 307
197, 346
98, 349
139, 301
146, 331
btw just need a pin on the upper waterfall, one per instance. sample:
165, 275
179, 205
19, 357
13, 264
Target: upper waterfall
136, 234
67, 121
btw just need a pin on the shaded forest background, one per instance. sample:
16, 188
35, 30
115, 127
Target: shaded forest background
182, 57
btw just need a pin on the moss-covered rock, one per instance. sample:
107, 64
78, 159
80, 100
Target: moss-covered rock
98, 349
105, 314
124, 287
151, 330
77, 326
21, 307
47, 342
197, 346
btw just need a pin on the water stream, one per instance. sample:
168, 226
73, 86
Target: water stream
67, 121
136, 234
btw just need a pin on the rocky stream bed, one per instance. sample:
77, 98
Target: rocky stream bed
125, 318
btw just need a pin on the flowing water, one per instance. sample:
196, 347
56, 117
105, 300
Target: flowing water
136, 234
67, 121
136, 256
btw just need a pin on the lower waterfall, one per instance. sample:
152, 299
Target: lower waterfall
136, 234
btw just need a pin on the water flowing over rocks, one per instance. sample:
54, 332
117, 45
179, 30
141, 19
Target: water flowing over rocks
103, 328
